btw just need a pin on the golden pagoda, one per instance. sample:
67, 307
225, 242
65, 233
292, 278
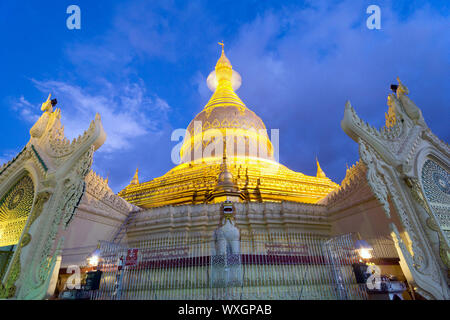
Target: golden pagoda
227, 155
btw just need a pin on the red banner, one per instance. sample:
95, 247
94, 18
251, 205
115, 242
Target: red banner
132, 257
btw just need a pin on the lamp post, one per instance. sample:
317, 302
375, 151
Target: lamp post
93, 277
364, 251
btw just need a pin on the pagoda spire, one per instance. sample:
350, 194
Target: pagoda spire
226, 187
135, 179
223, 81
224, 69
225, 176
320, 173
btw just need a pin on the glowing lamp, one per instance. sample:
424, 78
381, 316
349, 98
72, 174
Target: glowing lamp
93, 260
364, 249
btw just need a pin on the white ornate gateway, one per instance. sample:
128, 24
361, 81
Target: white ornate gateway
408, 171
41, 188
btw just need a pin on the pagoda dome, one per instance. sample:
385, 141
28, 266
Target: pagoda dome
214, 169
225, 112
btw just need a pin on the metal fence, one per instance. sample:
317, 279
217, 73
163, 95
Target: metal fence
269, 266
383, 247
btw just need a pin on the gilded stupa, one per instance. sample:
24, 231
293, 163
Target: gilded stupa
227, 155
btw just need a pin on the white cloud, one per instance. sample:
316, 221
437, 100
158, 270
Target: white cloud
127, 111
26, 110
300, 66
199, 81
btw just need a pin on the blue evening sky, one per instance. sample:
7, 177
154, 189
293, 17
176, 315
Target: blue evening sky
143, 64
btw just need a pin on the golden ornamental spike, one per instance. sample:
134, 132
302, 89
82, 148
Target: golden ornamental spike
47, 105
135, 179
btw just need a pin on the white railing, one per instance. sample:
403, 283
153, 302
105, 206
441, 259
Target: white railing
269, 266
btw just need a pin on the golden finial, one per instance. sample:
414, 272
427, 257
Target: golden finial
320, 173
135, 179
402, 89
221, 44
47, 105
223, 66
223, 76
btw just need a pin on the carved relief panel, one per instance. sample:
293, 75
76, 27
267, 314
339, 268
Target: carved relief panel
15, 207
436, 186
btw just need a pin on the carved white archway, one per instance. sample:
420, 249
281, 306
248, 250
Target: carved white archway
57, 168
394, 157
